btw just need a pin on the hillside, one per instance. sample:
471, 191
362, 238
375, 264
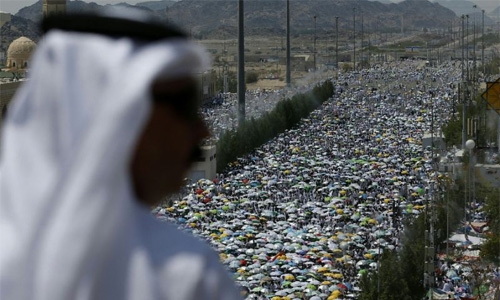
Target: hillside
16, 28
264, 17
217, 19
464, 7
157, 5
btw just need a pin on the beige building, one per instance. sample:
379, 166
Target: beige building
54, 7
207, 84
18, 57
19, 54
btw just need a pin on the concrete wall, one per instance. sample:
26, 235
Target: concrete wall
427, 140
206, 167
7, 91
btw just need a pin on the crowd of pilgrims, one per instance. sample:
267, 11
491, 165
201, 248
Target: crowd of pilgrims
304, 215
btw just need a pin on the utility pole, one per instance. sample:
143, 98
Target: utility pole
474, 75
337, 42
402, 25
461, 86
288, 64
463, 54
241, 65
482, 45
362, 39
467, 47
314, 45
429, 241
354, 33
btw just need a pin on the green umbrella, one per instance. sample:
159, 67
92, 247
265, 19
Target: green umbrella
286, 283
481, 290
363, 271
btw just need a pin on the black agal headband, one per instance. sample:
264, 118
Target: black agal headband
113, 23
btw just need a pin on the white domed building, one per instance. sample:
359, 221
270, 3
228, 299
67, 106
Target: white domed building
18, 61
19, 54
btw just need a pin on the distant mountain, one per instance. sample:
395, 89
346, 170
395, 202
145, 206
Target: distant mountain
215, 19
34, 12
464, 7
459, 7
16, 28
495, 14
157, 5
383, 1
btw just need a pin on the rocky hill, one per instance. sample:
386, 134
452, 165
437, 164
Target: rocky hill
16, 28
263, 17
495, 14
215, 19
464, 7
157, 5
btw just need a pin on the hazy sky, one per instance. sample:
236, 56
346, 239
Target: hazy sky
13, 6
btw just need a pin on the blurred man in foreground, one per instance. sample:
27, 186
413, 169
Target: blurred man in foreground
106, 126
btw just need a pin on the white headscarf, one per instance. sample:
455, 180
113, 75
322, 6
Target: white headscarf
70, 224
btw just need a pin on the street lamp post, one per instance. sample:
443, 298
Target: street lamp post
337, 42
482, 39
482, 44
362, 40
314, 43
463, 47
470, 144
241, 64
354, 34
288, 65
467, 46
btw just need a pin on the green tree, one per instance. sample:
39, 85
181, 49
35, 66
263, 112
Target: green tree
453, 131
490, 250
232, 82
251, 77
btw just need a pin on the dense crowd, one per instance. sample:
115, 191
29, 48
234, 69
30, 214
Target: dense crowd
303, 216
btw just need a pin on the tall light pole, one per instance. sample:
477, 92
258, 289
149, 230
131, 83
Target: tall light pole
241, 65
470, 144
482, 44
461, 89
482, 39
467, 47
288, 65
402, 24
463, 54
337, 42
362, 39
474, 49
354, 34
447, 213
314, 43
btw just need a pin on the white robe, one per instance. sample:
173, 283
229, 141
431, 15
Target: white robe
70, 224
